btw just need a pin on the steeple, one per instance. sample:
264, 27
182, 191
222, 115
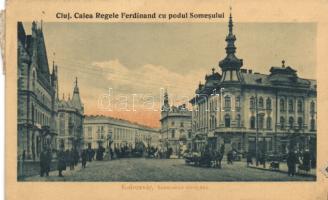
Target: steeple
76, 100
166, 105
76, 88
231, 65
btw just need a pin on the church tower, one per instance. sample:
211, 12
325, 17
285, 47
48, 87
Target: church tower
231, 65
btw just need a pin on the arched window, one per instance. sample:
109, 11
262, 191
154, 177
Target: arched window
62, 124
268, 104
312, 124
290, 105
312, 107
237, 102
261, 103
227, 103
299, 106
252, 122
238, 120
300, 122
268, 123
252, 103
211, 119
261, 121
227, 120
282, 105
33, 80
282, 122
291, 122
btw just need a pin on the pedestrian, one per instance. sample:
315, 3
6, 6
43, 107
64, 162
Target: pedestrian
263, 159
43, 162
111, 153
249, 158
48, 161
230, 157
306, 160
76, 157
61, 166
291, 163
217, 158
84, 158
71, 159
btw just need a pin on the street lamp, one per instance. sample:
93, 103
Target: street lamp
109, 144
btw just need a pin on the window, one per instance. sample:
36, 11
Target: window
172, 123
89, 132
62, 124
282, 105
290, 105
238, 120
173, 134
282, 122
33, 80
227, 103
261, 103
268, 104
299, 106
312, 124
261, 121
268, 123
181, 124
312, 107
252, 103
189, 134
237, 102
291, 122
252, 122
300, 122
227, 120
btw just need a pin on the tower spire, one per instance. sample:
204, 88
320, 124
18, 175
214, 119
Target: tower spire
76, 88
231, 62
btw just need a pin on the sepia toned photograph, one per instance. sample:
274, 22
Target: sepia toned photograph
166, 101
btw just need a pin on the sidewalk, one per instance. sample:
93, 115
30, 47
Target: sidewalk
53, 175
283, 168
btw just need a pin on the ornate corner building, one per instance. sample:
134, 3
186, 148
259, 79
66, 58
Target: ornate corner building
252, 112
175, 127
70, 121
37, 94
38, 105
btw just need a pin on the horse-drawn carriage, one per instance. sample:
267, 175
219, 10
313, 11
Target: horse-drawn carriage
202, 159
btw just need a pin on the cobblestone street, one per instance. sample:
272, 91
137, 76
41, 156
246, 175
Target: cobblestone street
141, 169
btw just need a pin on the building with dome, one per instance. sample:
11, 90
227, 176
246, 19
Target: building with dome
253, 112
70, 121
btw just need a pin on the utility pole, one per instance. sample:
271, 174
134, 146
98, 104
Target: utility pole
257, 130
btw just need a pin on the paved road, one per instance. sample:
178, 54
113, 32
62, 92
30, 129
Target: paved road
141, 169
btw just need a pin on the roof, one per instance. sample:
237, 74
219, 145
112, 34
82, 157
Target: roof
116, 121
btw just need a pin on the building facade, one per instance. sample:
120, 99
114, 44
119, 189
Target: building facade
37, 93
105, 131
70, 121
175, 127
253, 112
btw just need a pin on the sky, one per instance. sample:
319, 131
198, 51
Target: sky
123, 67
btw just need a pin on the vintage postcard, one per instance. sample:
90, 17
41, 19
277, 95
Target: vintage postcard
167, 99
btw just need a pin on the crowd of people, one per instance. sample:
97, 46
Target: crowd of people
301, 160
208, 157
